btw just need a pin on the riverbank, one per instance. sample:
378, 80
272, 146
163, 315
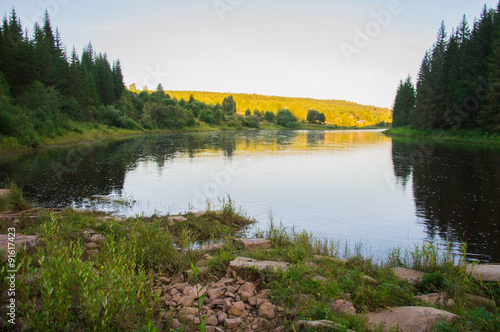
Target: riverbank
84, 132
83, 270
463, 136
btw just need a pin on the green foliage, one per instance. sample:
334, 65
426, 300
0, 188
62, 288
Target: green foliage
251, 121
314, 116
270, 117
286, 119
404, 104
14, 200
229, 105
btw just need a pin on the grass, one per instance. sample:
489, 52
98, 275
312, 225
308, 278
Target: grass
62, 287
456, 135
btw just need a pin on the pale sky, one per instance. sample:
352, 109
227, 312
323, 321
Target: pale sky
290, 48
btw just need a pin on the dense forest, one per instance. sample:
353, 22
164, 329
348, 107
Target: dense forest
458, 86
47, 92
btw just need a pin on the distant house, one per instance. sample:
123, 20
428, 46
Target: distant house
360, 122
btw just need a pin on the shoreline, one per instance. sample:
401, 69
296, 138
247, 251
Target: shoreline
447, 135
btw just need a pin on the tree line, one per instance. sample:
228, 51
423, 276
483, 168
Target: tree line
458, 85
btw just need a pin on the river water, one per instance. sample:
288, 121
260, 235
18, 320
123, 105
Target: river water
357, 187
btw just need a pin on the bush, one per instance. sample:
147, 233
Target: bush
270, 117
251, 121
286, 119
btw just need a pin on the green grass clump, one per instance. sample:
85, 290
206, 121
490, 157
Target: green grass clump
14, 201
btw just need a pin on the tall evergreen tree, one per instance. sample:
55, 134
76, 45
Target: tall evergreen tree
119, 86
404, 103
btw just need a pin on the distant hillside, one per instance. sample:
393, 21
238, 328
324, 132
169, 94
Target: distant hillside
339, 112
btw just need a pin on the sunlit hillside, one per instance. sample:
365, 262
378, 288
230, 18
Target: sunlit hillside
339, 112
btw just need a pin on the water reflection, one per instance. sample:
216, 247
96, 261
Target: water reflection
456, 190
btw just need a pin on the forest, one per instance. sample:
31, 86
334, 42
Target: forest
48, 92
458, 85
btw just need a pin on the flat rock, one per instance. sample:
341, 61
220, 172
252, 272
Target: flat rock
244, 262
481, 300
412, 276
97, 238
320, 278
91, 245
411, 319
254, 244
485, 272
304, 325
198, 214
216, 293
232, 323
109, 218
176, 219
247, 287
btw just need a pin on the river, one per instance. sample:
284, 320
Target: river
357, 187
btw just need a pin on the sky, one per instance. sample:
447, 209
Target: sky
354, 50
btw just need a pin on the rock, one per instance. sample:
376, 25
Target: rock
176, 324
186, 301
319, 278
188, 311
227, 304
20, 241
370, 280
92, 253
305, 325
198, 214
204, 260
180, 286
245, 296
482, 300
195, 291
436, 298
213, 329
216, 293
4, 192
221, 316
280, 329
243, 262
343, 307
97, 238
109, 218
91, 245
236, 309
226, 281
485, 272
176, 219
88, 232
254, 244
414, 319
266, 310
211, 246
247, 287
332, 259
412, 276
212, 320
232, 323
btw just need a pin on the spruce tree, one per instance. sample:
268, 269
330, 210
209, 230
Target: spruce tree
404, 103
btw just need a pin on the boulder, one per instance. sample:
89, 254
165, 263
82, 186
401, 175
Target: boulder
412, 319
481, 300
485, 272
412, 276
304, 325
244, 262
254, 244
91, 246
247, 287
343, 307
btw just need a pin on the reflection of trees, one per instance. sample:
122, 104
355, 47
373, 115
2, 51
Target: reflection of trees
315, 137
457, 192
285, 137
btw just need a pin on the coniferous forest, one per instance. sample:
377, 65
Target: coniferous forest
458, 85
47, 91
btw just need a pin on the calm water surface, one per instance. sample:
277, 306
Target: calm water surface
359, 187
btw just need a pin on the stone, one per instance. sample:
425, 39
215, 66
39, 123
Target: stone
436, 298
216, 293
195, 291
176, 324
280, 329
109, 218
244, 262
306, 324
213, 329
176, 219
164, 280
97, 238
254, 244
226, 281
204, 260
176, 297
481, 300
232, 323
343, 307
227, 304
221, 316
4, 192
180, 286
370, 280
92, 253
212, 320
236, 309
247, 287
188, 311
88, 232
245, 296
414, 319
211, 246
186, 301
412, 276
485, 272
266, 310
332, 259
198, 214
20, 241
91, 245
319, 278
